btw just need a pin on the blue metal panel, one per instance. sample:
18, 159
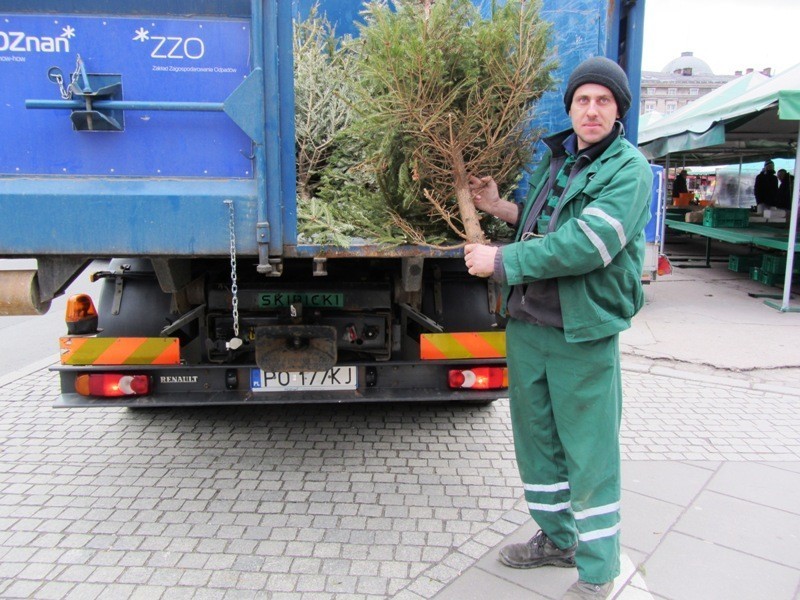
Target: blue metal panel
287, 110
178, 60
342, 14
227, 8
632, 63
580, 29
654, 231
114, 217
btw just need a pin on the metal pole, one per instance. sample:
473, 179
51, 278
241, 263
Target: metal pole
127, 105
787, 278
262, 174
739, 185
271, 51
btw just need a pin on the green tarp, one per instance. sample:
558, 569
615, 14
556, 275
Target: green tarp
737, 121
789, 104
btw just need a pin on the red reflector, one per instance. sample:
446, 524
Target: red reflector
111, 385
456, 379
479, 378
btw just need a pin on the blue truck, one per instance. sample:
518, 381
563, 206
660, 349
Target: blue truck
158, 135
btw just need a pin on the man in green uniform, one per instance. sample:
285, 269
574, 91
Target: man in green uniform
573, 281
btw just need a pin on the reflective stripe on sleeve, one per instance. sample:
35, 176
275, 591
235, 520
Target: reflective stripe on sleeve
596, 242
611, 221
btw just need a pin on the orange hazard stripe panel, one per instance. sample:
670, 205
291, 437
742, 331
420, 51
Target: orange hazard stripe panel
474, 344
119, 351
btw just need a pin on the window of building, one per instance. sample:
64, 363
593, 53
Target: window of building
649, 106
651, 91
694, 91
672, 91
672, 105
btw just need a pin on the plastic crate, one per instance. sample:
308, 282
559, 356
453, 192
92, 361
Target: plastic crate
726, 217
768, 278
773, 263
742, 263
776, 263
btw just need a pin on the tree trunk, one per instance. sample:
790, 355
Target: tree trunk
466, 207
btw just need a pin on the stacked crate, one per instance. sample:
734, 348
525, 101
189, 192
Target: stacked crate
772, 269
726, 217
743, 263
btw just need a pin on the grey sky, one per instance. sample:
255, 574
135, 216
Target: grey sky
730, 35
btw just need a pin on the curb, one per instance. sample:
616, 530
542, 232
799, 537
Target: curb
676, 373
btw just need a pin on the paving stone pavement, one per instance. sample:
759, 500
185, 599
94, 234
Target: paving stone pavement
346, 502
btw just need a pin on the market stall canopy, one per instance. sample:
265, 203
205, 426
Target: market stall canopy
743, 120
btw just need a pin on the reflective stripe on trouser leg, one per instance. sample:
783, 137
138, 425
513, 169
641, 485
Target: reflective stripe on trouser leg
540, 456
582, 387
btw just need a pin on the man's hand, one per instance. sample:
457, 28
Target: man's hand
487, 198
484, 193
479, 259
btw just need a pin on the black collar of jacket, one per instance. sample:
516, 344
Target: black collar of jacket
558, 143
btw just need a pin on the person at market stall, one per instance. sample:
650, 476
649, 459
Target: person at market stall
572, 282
679, 185
766, 186
785, 184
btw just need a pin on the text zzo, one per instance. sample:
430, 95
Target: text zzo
178, 48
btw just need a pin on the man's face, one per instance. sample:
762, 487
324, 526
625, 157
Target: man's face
593, 112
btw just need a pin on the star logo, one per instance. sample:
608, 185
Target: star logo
142, 35
68, 32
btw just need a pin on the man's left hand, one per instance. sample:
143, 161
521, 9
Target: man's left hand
479, 259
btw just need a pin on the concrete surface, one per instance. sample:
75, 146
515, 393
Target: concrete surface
413, 502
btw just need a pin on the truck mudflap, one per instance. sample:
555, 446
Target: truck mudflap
241, 385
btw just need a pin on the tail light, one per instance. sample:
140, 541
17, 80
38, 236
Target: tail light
478, 378
81, 315
112, 385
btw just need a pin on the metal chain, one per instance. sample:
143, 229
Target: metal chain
234, 286
66, 92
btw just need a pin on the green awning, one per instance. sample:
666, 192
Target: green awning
745, 119
789, 104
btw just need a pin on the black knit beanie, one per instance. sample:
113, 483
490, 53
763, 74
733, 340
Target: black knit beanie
605, 72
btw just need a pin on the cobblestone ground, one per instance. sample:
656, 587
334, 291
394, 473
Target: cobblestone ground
379, 501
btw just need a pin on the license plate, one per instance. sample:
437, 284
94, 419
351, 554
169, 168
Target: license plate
337, 378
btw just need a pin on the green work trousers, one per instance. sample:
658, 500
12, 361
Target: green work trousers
566, 406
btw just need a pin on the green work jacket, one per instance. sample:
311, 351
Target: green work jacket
595, 242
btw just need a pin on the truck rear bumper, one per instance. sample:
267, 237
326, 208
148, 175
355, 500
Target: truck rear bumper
226, 385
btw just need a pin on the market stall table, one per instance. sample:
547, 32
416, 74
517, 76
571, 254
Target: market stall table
763, 236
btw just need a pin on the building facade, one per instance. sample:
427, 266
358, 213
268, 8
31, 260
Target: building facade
681, 81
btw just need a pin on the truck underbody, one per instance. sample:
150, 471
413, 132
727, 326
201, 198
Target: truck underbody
340, 330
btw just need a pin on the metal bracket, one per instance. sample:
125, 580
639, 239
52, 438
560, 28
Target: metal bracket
423, 320
412, 273
320, 266
119, 284
190, 316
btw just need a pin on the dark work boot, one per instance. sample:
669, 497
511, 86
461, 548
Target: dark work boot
537, 552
